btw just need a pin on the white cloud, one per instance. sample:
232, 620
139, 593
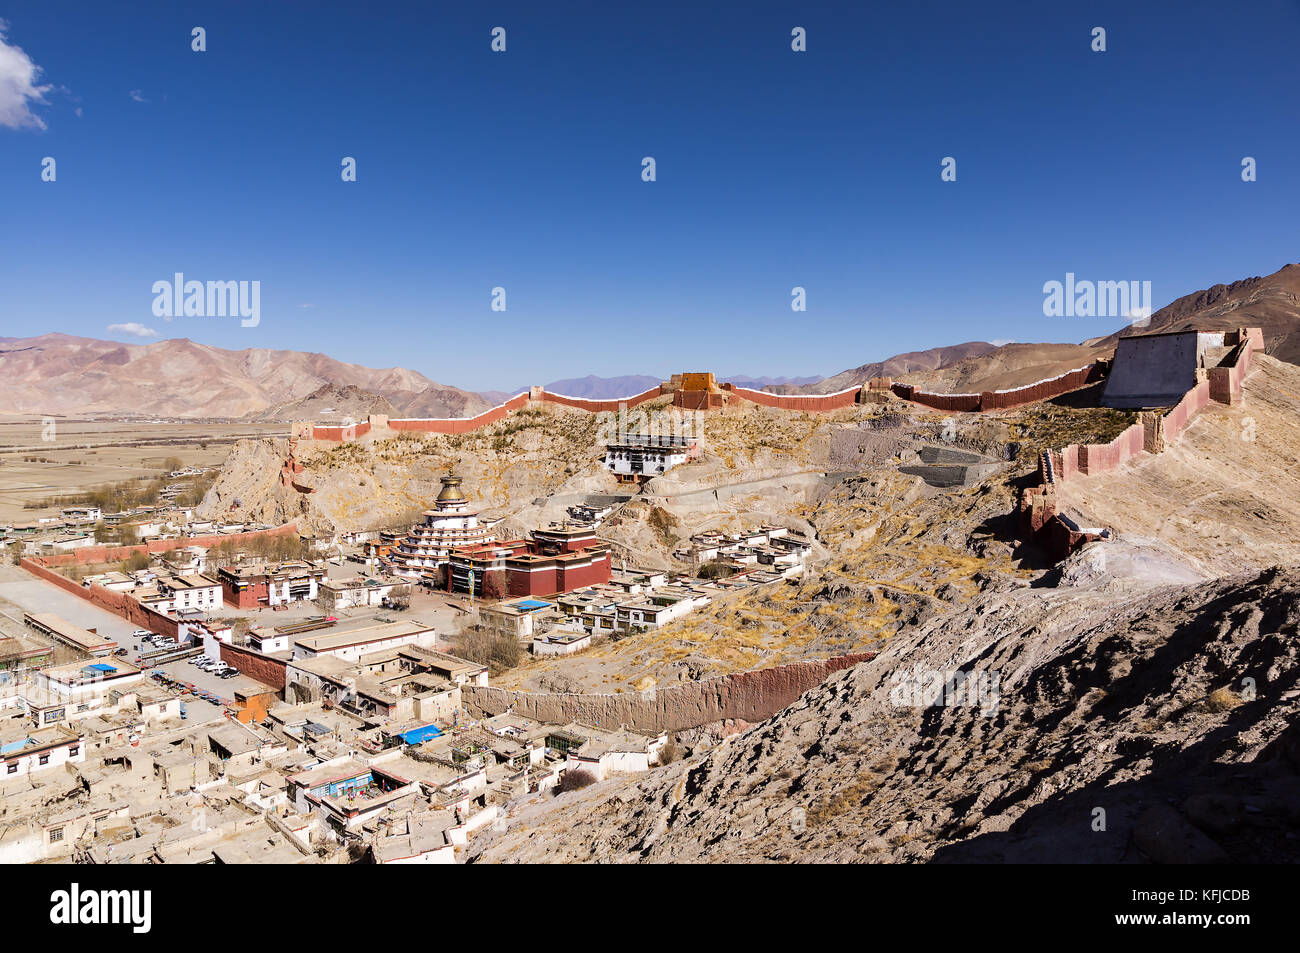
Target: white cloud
19, 89
1002, 342
308, 305
138, 96
135, 328
1138, 317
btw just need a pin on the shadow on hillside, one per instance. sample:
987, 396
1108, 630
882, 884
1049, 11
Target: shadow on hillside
1089, 396
1005, 527
1190, 807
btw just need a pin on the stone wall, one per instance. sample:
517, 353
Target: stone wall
380, 425
748, 696
271, 672
118, 603
814, 403
1004, 399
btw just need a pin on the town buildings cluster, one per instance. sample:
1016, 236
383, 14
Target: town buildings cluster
344, 730
356, 741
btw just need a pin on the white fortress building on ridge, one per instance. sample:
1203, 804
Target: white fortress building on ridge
449, 525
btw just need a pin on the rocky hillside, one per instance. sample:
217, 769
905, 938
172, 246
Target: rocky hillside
1117, 698
889, 549
329, 402
61, 374
902, 366
1154, 678
383, 483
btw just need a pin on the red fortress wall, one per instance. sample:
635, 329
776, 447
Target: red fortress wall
121, 603
1037, 506
1221, 385
456, 425
815, 403
601, 406
1004, 399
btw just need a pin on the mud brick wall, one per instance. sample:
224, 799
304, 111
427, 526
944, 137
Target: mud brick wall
956, 403
1043, 390
457, 425
449, 425
269, 671
748, 696
341, 433
1100, 458
1193, 401
1221, 385
601, 406
1003, 399
814, 403
118, 603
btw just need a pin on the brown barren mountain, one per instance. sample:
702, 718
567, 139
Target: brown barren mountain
62, 374
974, 366
900, 366
1271, 303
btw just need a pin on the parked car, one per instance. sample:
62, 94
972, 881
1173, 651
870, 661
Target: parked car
120, 653
142, 634
229, 673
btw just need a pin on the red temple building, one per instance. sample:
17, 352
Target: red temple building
559, 558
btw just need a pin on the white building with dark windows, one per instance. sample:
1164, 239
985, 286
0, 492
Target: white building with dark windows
449, 525
26, 751
639, 457
193, 592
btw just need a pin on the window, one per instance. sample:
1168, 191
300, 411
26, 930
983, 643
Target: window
73, 750
56, 834
45, 758
11, 768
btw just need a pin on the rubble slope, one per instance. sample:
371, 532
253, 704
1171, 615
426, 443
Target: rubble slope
1129, 702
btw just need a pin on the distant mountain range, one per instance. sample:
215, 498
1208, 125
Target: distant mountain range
62, 374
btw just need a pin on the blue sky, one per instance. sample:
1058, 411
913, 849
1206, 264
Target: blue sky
522, 170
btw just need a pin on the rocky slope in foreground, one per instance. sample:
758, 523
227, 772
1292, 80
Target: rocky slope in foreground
1112, 697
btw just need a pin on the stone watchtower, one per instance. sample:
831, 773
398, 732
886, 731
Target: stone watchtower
698, 391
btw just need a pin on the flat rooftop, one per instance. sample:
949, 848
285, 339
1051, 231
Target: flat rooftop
61, 628
367, 630
86, 672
